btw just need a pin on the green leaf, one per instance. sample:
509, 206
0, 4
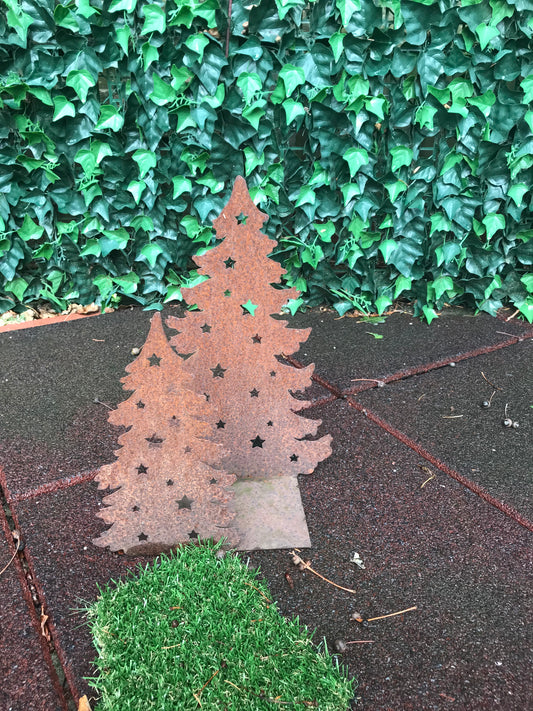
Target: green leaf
113, 240
250, 84
527, 87
254, 113
382, 303
336, 42
145, 160
401, 284
181, 185
293, 109
325, 230
517, 191
486, 34
292, 77
347, 9
306, 196
527, 281
151, 251
123, 37
442, 284
136, 188
252, 160
17, 287
127, 282
92, 246
29, 229
387, 247
197, 43
154, 20
526, 308
377, 105
294, 304
19, 21
122, 6
110, 118
63, 107
377, 336
81, 81
395, 188
424, 116
493, 222
401, 155
429, 313
149, 54
356, 158
163, 93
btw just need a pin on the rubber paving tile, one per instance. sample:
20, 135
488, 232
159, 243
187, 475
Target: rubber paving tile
25, 679
51, 428
442, 411
346, 349
464, 565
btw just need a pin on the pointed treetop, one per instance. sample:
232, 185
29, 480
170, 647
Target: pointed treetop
240, 210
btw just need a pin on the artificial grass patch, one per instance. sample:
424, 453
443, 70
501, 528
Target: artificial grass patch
194, 630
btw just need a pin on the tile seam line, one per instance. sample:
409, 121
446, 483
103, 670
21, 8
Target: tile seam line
26, 594
69, 676
50, 487
509, 511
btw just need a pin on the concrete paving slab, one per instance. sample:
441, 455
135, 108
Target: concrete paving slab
442, 411
345, 349
27, 681
464, 564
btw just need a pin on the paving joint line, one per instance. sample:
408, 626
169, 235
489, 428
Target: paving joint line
53, 486
33, 598
464, 481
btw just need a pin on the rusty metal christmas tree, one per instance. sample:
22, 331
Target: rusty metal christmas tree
235, 340
169, 489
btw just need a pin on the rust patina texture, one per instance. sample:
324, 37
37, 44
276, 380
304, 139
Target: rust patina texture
167, 487
232, 345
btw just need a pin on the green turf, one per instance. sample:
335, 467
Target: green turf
194, 630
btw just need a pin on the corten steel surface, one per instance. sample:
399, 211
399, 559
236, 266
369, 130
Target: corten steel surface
231, 346
170, 490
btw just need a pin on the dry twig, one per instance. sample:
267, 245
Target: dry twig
391, 614
305, 565
14, 554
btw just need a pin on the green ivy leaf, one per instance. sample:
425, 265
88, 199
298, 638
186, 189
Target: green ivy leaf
336, 42
486, 34
527, 281
250, 84
149, 54
325, 230
254, 113
425, 115
377, 105
163, 93
63, 107
284, 6
293, 109
252, 160
387, 247
382, 302
377, 336
401, 155
136, 188
292, 78
493, 222
29, 229
123, 6
517, 191
154, 20
395, 188
356, 159
110, 118
81, 81
19, 21
181, 185
17, 287
527, 87
401, 284
442, 284
293, 305
347, 9
151, 252
429, 313
197, 43
145, 160
123, 35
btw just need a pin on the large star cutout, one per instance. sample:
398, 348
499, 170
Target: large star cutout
220, 425
241, 219
218, 371
142, 537
154, 439
254, 393
193, 534
141, 469
229, 262
154, 360
140, 404
256, 339
213, 481
184, 503
294, 457
249, 308
257, 442
206, 328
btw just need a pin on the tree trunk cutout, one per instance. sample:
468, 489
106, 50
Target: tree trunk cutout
169, 489
234, 340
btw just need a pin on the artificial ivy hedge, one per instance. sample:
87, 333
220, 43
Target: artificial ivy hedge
391, 143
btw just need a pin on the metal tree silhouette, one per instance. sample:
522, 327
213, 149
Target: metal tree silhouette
169, 489
234, 339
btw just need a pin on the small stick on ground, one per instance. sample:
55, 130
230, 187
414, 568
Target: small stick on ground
494, 387
12, 557
259, 591
299, 561
391, 614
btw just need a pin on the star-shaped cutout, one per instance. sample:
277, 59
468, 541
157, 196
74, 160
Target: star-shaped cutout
257, 442
140, 404
241, 219
220, 425
154, 360
248, 308
184, 503
218, 371
294, 457
206, 328
272, 373
254, 393
227, 292
229, 262
206, 395
187, 449
270, 423
142, 537
193, 534
213, 481
170, 482
141, 469
135, 508
256, 339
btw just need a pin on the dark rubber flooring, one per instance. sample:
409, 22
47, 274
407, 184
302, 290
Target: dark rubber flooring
427, 486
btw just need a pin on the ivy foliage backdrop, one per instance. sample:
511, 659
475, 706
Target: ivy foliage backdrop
390, 141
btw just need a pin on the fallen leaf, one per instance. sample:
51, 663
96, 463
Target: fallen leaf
376, 335
83, 704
